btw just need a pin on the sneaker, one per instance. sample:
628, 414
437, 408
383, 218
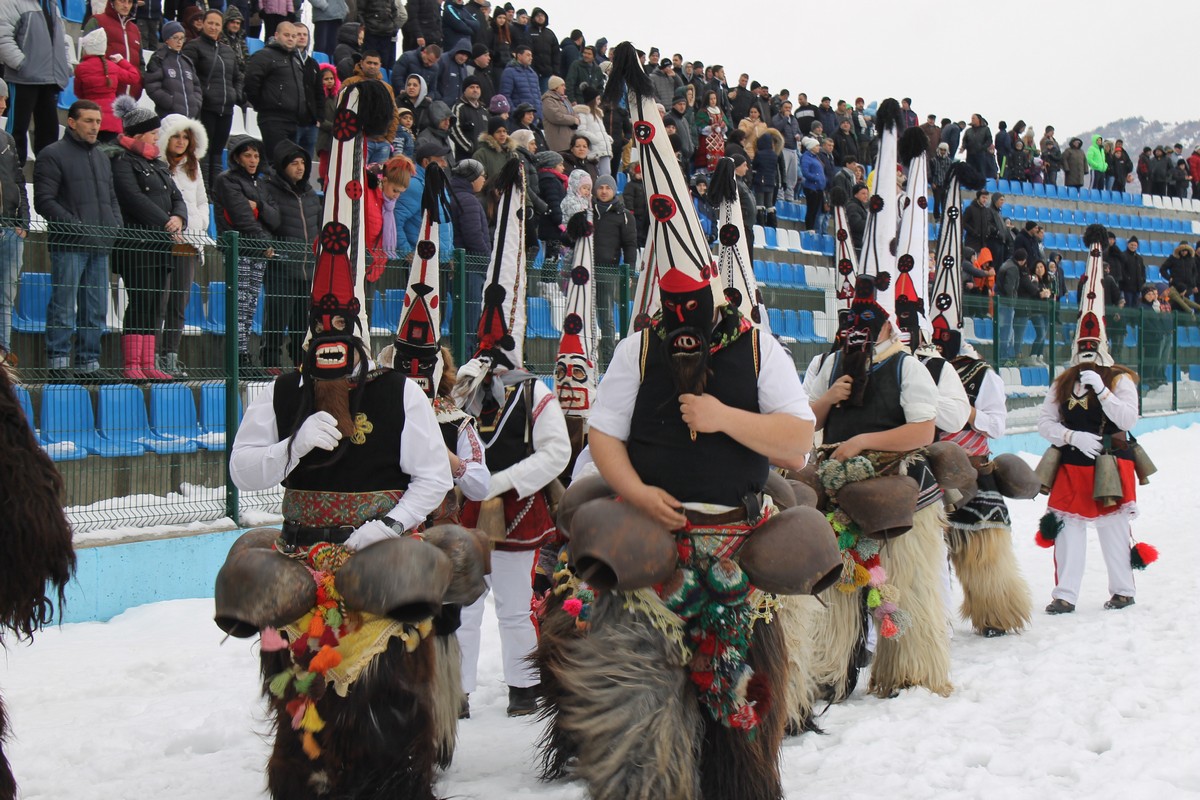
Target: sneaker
1060, 606
522, 701
464, 708
1119, 601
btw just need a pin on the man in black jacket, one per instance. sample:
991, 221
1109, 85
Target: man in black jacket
14, 225
469, 120
544, 44
636, 202
289, 275
424, 24
275, 87
614, 242
1133, 273
382, 20
314, 94
73, 186
220, 87
856, 214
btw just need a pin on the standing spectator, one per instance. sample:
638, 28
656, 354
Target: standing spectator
826, 116
73, 186
907, 115
939, 177
1018, 163
864, 130
805, 114
171, 79
327, 17
519, 83
1121, 169
844, 178
753, 127
500, 43
1180, 271
1055, 280
685, 124
220, 87
1035, 291
614, 242
1003, 144
124, 38
1160, 172
636, 202
1097, 162
452, 71
712, 126
1181, 178
552, 187
382, 20
152, 205
233, 32
424, 25
1074, 164
544, 44
1001, 238
14, 225
845, 143
856, 214
558, 117
416, 99
524, 117
424, 62
148, 16
1008, 283
767, 152
182, 143
457, 23
591, 126
408, 206
665, 82
584, 71
348, 52
480, 67
471, 234
437, 133
287, 279
789, 127
975, 143
933, 132
97, 77
951, 135
38, 55
812, 174
275, 86
570, 51
1194, 168
405, 144
314, 95
241, 203
275, 12
1052, 155
978, 222
578, 157
379, 146
1133, 272
470, 120
495, 148
524, 148
330, 86
478, 10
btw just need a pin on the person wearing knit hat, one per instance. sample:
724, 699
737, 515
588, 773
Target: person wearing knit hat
470, 117
495, 147
96, 78
559, 120
499, 106
548, 159
468, 169
664, 415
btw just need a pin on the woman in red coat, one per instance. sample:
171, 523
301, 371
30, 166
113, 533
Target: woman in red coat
98, 77
124, 39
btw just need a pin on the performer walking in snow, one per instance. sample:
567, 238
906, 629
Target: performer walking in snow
1088, 416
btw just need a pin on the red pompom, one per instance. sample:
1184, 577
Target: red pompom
1142, 555
1042, 541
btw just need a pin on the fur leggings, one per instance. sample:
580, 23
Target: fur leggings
995, 594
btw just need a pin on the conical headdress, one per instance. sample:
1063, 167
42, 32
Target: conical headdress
575, 367
1091, 334
646, 301
878, 257
911, 285
502, 322
733, 256
946, 314
845, 259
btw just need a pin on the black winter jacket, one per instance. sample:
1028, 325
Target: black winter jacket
14, 203
635, 202
614, 240
220, 76
275, 84
232, 192
470, 221
173, 84
379, 16
424, 22
299, 209
1180, 269
73, 185
149, 198
544, 43
347, 54
553, 188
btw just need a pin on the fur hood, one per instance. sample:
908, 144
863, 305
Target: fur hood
173, 124
491, 143
1184, 250
776, 140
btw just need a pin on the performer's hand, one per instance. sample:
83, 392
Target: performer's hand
368, 534
319, 430
703, 413
839, 391
1086, 443
848, 449
660, 505
1092, 380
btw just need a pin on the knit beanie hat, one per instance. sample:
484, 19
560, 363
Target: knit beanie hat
522, 137
607, 180
547, 159
94, 43
479, 49
170, 29
499, 104
134, 119
555, 82
496, 123
468, 168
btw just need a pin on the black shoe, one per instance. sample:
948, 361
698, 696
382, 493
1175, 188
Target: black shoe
1059, 606
1119, 601
992, 633
523, 701
464, 708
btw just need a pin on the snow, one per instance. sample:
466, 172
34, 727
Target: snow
1096, 704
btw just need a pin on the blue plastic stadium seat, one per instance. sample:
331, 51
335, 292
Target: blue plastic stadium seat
770, 239
214, 317
75, 11
257, 323
791, 325
827, 244
773, 276
212, 408
808, 330
1039, 189
775, 317
983, 328
1056, 216
622, 179
1074, 241
787, 274
66, 98
760, 271
540, 325
33, 297
254, 45
121, 417
173, 415
1051, 190
193, 312
800, 282
1192, 334
1005, 186
1131, 336
993, 185
320, 58
67, 416
63, 451
1194, 372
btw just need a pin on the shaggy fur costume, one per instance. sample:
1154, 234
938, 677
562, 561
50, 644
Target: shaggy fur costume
445, 694
837, 637
921, 656
796, 618
376, 743
556, 634
995, 594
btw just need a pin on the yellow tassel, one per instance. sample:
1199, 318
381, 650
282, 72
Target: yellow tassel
312, 721
311, 748
411, 641
425, 627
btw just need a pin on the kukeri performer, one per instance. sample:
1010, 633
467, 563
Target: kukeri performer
677, 688
35, 541
346, 597
996, 598
1093, 469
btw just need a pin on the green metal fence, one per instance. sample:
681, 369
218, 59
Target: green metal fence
138, 454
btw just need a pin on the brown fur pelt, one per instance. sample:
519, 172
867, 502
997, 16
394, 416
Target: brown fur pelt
36, 556
627, 702
995, 594
836, 637
445, 695
378, 742
921, 656
733, 765
334, 397
796, 616
556, 632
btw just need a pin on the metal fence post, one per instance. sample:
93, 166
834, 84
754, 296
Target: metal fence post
1174, 361
458, 335
232, 391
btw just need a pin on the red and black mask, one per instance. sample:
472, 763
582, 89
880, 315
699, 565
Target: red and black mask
334, 341
860, 329
687, 322
418, 363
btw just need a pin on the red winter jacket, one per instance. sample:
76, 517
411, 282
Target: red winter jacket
97, 79
124, 39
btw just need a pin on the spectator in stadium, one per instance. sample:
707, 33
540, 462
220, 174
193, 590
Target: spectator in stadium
1097, 162
424, 62
812, 174
1035, 291
933, 132
665, 82
1159, 172
578, 157
97, 77
1052, 155
908, 115
500, 43
14, 226
856, 214
349, 49
192, 19
424, 25
220, 87
1074, 164
753, 127
494, 148
864, 126
1000, 241
805, 114
570, 50
1003, 146
524, 117
232, 32
327, 17
1179, 270
1030, 240
37, 54
275, 12
480, 67
976, 142
276, 88
1133, 272
614, 242
241, 203
73, 186
1008, 285
314, 96
457, 23
978, 221
453, 71
382, 20
330, 86
827, 117
182, 144
558, 117
405, 143
636, 203
591, 126
1054, 277
437, 132
470, 119
408, 205
288, 279
1143, 169
124, 38
845, 143
1018, 163
1194, 168
844, 178
416, 99
712, 126
544, 44
148, 16
1181, 178
767, 152
524, 148
552, 187
584, 71
939, 176
478, 10
519, 83
171, 80
471, 234
1120, 168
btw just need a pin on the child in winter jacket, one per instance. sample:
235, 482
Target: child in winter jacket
98, 78
330, 86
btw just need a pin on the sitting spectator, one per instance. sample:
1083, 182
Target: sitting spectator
348, 52
438, 130
97, 77
14, 225
499, 106
1180, 272
124, 39
171, 79
241, 203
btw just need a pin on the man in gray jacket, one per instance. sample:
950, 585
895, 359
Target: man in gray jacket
73, 189
37, 56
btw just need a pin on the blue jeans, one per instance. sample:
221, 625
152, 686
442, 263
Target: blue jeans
1005, 332
378, 152
306, 137
78, 303
11, 248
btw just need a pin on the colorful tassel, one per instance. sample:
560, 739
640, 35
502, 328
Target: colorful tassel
1142, 555
279, 683
304, 682
312, 721
311, 748
573, 605
887, 628
325, 660
1049, 527
270, 641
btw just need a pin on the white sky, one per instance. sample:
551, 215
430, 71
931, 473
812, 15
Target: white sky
1064, 63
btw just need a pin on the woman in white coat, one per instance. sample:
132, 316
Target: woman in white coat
182, 143
591, 125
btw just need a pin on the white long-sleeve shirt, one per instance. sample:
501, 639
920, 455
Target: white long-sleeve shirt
551, 449
260, 457
953, 406
472, 477
1120, 405
991, 407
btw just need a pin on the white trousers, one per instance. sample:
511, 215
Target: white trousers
1070, 555
511, 583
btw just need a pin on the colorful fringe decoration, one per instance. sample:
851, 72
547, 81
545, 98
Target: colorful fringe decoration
861, 570
1142, 555
1049, 527
580, 596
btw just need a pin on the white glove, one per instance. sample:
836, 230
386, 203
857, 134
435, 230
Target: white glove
1092, 379
368, 534
1084, 442
319, 430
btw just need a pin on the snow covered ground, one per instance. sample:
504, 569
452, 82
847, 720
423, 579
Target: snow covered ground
1097, 705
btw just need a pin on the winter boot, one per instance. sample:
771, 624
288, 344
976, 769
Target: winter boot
131, 348
772, 218
522, 701
169, 363
148, 367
